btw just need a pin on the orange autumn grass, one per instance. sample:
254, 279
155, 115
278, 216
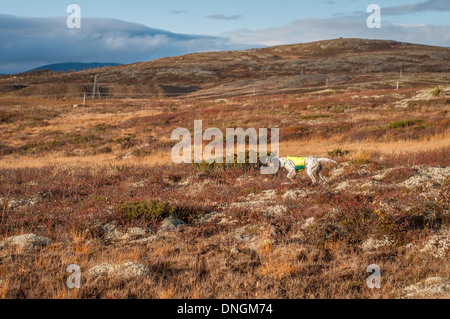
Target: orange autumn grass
313, 147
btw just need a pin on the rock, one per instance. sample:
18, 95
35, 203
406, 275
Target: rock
343, 185
438, 244
338, 171
14, 203
275, 210
264, 196
373, 244
128, 155
138, 184
245, 232
111, 233
26, 242
433, 287
145, 240
235, 251
243, 179
427, 176
133, 233
255, 236
127, 270
171, 224
295, 194
379, 177
308, 223
258, 242
213, 216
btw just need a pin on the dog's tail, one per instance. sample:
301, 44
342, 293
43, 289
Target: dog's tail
327, 160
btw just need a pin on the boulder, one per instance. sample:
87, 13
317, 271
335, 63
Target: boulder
26, 242
127, 270
433, 287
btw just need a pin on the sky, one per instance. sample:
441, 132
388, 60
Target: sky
35, 33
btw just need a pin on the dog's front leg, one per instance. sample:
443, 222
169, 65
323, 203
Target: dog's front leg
292, 174
290, 167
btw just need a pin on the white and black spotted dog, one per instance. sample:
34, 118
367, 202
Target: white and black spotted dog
312, 165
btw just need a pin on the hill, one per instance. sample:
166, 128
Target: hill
337, 64
73, 66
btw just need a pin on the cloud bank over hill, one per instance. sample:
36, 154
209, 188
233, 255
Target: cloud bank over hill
26, 43
347, 26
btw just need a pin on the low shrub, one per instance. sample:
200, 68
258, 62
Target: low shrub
150, 211
404, 123
437, 91
399, 175
240, 161
337, 152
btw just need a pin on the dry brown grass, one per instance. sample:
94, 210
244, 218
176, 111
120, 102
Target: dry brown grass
85, 190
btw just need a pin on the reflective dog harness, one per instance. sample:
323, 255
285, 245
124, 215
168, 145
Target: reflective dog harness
299, 162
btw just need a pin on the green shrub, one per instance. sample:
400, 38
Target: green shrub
102, 127
148, 210
124, 139
313, 117
404, 123
337, 152
437, 91
336, 108
5, 117
234, 164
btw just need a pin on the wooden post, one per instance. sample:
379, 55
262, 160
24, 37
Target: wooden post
84, 99
94, 91
397, 85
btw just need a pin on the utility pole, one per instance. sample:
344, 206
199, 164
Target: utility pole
94, 91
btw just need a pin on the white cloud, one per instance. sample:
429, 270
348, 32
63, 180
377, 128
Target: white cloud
27, 43
224, 17
307, 30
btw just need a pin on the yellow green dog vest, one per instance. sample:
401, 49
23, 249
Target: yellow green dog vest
299, 162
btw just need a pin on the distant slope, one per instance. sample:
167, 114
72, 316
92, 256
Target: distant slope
73, 66
331, 64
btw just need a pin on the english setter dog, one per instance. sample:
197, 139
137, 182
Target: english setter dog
312, 165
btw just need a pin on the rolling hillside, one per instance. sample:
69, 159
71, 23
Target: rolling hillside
338, 64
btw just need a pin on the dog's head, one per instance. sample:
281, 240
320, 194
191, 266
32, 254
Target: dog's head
281, 161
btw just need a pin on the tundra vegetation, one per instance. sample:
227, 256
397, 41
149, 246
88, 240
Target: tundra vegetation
95, 186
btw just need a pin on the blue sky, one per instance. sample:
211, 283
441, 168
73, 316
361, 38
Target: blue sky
203, 16
124, 31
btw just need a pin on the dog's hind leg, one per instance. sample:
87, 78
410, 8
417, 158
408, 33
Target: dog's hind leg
321, 178
311, 175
